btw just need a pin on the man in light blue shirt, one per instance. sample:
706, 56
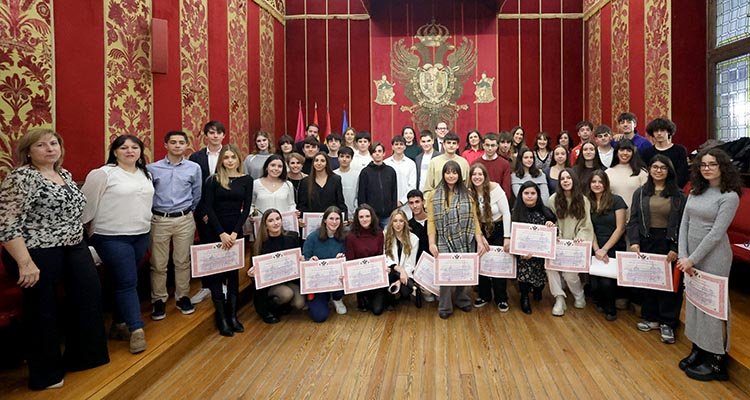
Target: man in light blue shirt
177, 191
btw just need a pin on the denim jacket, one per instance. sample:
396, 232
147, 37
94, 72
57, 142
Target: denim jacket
640, 218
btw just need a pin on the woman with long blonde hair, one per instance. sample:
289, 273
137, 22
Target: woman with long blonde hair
400, 249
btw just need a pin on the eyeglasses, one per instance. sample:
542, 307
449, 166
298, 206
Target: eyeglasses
709, 166
659, 168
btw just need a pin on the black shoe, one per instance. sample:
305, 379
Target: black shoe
610, 317
693, 359
714, 368
158, 312
418, 298
185, 306
361, 303
444, 314
231, 314
270, 319
480, 302
538, 293
465, 308
525, 304
220, 318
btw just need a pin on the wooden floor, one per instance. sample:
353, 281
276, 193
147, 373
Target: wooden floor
406, 353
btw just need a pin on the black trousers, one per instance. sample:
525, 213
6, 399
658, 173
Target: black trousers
81, 314
658, 305
488, 285
214, 283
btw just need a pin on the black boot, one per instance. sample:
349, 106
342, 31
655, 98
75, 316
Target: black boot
695, 358
525, 303
418, 297
714, 368
538, 293
231, 315
221, 320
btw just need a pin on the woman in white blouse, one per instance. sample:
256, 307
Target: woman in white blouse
400, 247
119, 196
273, 190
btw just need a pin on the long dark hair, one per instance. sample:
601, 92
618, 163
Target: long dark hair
313, 175
521, 211
730, 177
636, 164
581, 162
485, 215
358, 229
541, 135
670, 184
268, 162
459, 188
533, 170
566, 164
576, 207
468, 145
262, 235
322, 231
119, 141
605, 203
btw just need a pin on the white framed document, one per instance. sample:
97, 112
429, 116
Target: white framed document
709, 293
274, 268
457, 269
570, 257
531, 239
648, 271
496, 263
605, 270
210, 259
321, 276
288, 221
311, 221
424, 273
365, 274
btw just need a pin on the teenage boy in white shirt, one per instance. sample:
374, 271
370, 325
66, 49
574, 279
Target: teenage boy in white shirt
349, 179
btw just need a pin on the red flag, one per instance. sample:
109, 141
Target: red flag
300, 135
328, 127
315, 116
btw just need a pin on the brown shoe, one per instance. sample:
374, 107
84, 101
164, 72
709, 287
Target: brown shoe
137, 341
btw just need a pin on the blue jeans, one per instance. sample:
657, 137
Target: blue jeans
318, 306
122, 254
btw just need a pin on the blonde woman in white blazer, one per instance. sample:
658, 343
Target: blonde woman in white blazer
400, 249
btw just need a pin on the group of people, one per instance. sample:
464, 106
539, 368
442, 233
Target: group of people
619, 191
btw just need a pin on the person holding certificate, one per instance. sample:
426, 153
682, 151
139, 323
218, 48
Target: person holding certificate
280, 298
573, 210
401, 247
228, 196
453, 227
326, 242
653, 228
494, 215
704, 246
608, 215
529, 209
526, 171
322, 188
273, 190
366, 240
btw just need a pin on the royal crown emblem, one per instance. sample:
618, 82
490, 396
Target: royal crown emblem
433, 72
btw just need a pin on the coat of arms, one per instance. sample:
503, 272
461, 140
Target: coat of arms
433, 73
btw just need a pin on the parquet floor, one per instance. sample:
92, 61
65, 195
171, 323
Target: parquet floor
411, 353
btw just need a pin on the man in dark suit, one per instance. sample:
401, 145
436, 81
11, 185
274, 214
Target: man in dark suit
426, 141
441, 129
206, 158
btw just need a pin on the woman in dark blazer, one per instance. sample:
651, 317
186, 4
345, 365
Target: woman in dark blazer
321, 189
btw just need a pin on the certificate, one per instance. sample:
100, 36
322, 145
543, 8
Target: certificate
288, 221
496, 263
365, 274
424, 273
274, 268
709, 293
570, 257
457, 269
600, 268
650, 271
312, 221
321, 276
210, 259
537, 240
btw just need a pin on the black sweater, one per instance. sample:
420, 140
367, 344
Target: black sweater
377, 187
331, 194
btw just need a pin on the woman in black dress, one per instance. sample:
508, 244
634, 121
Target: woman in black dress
228, 196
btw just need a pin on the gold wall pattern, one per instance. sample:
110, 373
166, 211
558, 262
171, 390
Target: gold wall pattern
239, 123
128, 86
26, 72
594, 76
658, 57
267, 115
194, 69
620, 63
277, 8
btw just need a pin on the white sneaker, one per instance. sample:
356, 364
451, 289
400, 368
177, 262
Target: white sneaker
57, 385
200, 296
428, 297
340, 306
559, 309
580, 303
